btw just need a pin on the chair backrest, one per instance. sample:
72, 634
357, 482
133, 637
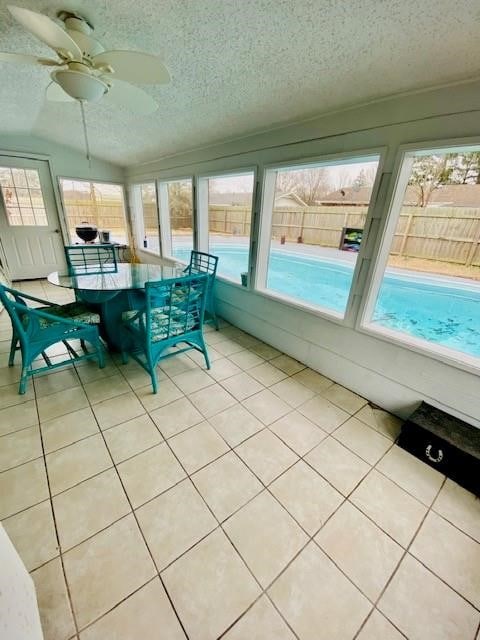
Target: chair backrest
203, 263
17, 309
91, 258
175, 307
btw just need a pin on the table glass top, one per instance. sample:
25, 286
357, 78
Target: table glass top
121, 277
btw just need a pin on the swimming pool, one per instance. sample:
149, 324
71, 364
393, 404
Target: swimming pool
444, 312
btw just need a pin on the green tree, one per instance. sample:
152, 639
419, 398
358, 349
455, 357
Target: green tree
428, 173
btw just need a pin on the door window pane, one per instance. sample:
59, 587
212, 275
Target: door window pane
97, 203
430, 287
176, 209
20, 195
317, 217
229, 223
145, 212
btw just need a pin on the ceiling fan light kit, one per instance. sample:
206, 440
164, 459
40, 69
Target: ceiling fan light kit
80, 85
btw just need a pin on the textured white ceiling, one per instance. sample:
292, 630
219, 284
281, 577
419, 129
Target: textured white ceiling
240, 66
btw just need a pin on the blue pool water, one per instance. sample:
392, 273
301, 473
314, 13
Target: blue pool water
440, 311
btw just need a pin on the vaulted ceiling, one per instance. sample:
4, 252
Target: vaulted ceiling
240, 66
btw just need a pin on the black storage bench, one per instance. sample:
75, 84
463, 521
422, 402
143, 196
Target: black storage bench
445, 443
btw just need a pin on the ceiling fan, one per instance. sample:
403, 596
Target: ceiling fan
83, 70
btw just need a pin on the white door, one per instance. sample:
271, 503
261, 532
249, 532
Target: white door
29, 227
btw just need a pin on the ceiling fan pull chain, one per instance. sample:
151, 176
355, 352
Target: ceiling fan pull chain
85, 134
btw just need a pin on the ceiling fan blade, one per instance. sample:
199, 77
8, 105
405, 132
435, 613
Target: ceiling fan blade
133, 98
46, 30
134, 66
20, 58
55, 93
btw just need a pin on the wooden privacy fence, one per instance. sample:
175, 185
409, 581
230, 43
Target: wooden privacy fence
435, 233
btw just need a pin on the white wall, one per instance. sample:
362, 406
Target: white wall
392, 376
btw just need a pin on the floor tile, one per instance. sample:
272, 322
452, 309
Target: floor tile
344, 398
65, 430
55, 612
415, 601
226, 485
107, 568
167, 392
137, 377
360, 549
267, 374
10, 396
199, 359
54, 382
149, 474
223, 368
116, 410
198, 446
107, 388
287, 365
264, 350
380, 420
9, 375
342, 468
451, 555
210, 587
212, 400
132, 437
176, 416
362, 440
89, 507
174, 522
19, 447
378, 627
90, 371
70, 465
306, 496
191, 381
323, 413
61, 403
242, 385
313, 380
33, 534
266, 406
236, 424
18, 417
293, 392
246, 359
228, 347
156, 622
22, 487
178, 364
298, 432
266, 455
411, 474
261, 622
338, 608
460, 507
263, 524
394, 510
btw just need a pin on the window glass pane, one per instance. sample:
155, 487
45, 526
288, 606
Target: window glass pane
180, 211
144, 206
229, 223
97, 203
19, 196
318, 216
430, 289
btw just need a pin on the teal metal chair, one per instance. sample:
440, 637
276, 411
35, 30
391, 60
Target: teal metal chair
34, 329
206, 263
173, 313
83, 259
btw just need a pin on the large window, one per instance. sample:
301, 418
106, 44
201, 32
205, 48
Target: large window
312, 229
98, 203
229, 222
176, 211
427, 286
22, 195
145, 217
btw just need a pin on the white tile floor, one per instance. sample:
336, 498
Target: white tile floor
258, 500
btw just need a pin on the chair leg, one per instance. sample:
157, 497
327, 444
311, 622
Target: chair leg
100, 356
84, 346
205, 353
23, 381
153, 376
13, 349
124, 357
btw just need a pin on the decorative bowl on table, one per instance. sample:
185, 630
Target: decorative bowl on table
86, 231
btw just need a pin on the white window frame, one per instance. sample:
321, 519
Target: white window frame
137, 222
202, 212
164, 214
265, 229
402, 169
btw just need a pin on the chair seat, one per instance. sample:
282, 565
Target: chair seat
163, 325
73, 311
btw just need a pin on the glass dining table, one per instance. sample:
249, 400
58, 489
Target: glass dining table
113, 289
